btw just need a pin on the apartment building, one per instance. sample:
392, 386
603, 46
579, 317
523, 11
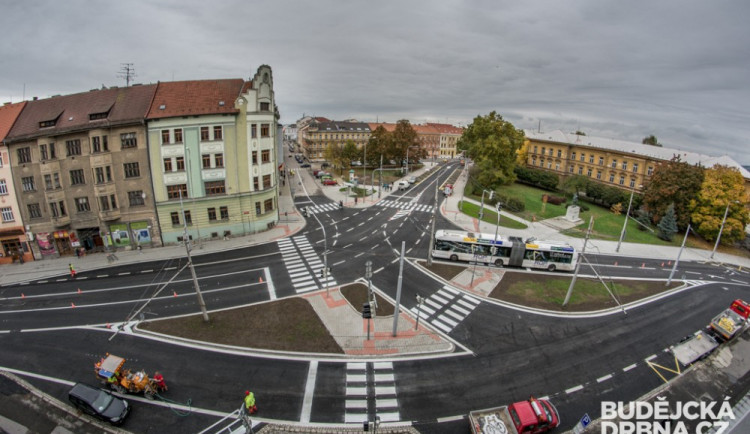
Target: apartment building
80, 171
449, 136
618, 163
213, 157
318, 136
13, 239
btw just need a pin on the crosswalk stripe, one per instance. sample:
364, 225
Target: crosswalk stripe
460, 309
439, 298
445, 319
441, 326
455, 315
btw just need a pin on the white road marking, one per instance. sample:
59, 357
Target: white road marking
628, 368
604, 378
574, 389
312, 373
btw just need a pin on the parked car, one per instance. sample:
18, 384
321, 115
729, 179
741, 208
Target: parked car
329, 181
412, 180
99, 403
402, 185
304, 165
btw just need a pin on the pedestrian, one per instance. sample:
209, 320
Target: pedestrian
159, 380
250, 406
72, 271
78, 253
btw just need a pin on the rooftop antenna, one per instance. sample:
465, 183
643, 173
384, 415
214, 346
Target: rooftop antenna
539, 129
127, 71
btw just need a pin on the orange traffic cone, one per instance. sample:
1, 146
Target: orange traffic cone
643, 265
109, 326
615, 263
72, 305
23, 296
175, 293
260, 279
79, 290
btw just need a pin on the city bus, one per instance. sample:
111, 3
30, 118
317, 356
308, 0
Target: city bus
512, 251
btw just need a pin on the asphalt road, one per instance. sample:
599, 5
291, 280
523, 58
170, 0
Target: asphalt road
503, 354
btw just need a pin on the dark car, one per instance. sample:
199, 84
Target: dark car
99, 403
304, 165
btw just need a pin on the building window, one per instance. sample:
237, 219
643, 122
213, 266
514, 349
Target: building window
24, 155
214, 188
188, 217
103, 174
204, 134
175, 216
632, 182
167, 164
268, 205
57, 209
82, 204
533, 160
218, 133
614, 164
572, 155
264, 106
544, 150
624, 165
7, 214
559, 153
135, 198
598, 174
635, 167
48, 182
256, 185
622, 179
77, 177
571, 168
165, 137
253, 131
219, 160
258, 210
206, 161
99, 144
212, 214
3, 187
611, 177
583, 156
601, 161
35, 211
178, 135
580, 170
557, 166
224, 212
265, 130
588, 172
265, 156
128, 140
27, 183
266, 181
180, 163
73, 147
255, 157
591, 158
107, 202
132, 170
650, 171
535, 149
43, 152
173, 191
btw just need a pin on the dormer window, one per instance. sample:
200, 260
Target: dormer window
47, 124
264, 106
96, 116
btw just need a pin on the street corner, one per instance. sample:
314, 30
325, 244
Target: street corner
478, 280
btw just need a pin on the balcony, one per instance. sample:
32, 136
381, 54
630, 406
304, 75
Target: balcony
110, 215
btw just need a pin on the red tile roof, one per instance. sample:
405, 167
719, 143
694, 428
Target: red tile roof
8, 115
446, 128
195, 97
388, 127
73, 112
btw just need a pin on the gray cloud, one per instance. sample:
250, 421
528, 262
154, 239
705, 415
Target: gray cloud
676, 69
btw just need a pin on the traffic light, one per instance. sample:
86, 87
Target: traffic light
366, 313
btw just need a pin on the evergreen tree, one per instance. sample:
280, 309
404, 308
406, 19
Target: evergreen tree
668, 224
643, 218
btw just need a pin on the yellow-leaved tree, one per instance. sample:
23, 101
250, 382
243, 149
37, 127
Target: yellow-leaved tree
722, 190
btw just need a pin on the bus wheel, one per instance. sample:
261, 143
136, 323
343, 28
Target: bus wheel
499, 262
454, 258
551, 267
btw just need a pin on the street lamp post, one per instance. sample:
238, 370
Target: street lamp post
196, 286
499, 208
325, 254
627, 216
419, 308
721, 229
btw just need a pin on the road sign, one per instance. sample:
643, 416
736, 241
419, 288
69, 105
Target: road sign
582, 424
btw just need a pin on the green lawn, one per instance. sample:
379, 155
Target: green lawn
607, 226
490, 216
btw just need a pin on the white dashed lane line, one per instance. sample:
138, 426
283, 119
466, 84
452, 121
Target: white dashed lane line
574, 389
628, 368
604, 378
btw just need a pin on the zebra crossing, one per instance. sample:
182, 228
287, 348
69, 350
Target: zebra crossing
303, 264
446, 308
370, 379
410, 206
321, 208
401, 213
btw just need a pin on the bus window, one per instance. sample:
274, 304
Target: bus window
481, 250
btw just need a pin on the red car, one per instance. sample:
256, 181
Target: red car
329, 181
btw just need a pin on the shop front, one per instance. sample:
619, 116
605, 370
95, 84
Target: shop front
15, 248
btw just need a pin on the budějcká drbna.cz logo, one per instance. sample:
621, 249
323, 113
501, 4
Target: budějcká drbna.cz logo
659, 417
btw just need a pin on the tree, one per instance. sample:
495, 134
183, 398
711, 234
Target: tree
576, 184
493, 144
350, 152
643, 218
651, 140
579, 133
404, 137
334, 156
668, 224
379, 144
722, 187
675, 182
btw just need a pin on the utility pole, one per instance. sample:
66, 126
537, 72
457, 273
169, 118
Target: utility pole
434, 219
398, 289
677, 261
578, 264
127, 71
380, 175
196, 286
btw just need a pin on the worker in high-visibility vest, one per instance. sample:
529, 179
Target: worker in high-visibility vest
250, 402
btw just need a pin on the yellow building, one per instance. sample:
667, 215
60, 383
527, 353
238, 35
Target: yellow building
618, 163
318, 136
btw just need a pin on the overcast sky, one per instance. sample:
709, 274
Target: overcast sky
617, 69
